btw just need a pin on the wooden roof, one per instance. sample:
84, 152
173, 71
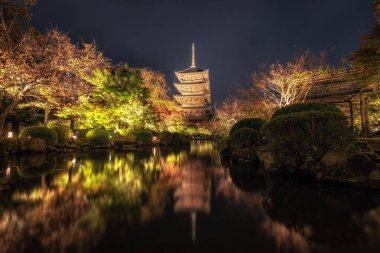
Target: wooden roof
338, 86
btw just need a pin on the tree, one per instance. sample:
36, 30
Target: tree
119, 102
279, 85
367, 58
171, 117
40, 69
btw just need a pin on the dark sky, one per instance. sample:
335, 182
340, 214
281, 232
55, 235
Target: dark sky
232, 36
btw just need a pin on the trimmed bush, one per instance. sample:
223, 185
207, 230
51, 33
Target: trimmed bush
64, 133
166, 137
145, 136
98, 137
244, 137
320, 107
253, 123
309, 133
48, 135
33, 145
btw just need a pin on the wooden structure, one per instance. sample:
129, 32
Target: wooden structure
194, 89
343, 88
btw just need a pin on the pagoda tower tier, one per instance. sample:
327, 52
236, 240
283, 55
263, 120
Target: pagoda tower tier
193, 100
194, 89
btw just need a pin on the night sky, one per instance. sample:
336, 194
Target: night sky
232, 37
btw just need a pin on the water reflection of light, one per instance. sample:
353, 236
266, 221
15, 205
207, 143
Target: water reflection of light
155, 152
287, 239
8, 171
193, 193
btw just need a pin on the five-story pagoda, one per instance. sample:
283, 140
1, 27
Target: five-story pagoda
194, 87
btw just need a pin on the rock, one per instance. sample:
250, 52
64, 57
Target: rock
51, 149
351, 169
34, 145
277, 162
333, 157
129, 147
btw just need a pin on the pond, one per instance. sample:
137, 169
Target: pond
174, 200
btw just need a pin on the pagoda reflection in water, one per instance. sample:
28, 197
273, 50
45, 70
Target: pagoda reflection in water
193, 192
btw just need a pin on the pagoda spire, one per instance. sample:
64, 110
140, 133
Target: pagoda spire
193, 57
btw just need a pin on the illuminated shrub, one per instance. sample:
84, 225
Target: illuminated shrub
145, 136
253, 123
191, 130
98, 137
308, 130
64, 133
48, 135
244, 137
166, 137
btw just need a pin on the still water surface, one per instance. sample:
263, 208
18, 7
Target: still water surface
174, 200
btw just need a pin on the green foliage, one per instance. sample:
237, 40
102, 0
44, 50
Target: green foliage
191, 130
119, 103
309, 133
166, 137
145, 136
244, 137
253, 123
42, 132
303, 107
98, 137
64, 133
121, 83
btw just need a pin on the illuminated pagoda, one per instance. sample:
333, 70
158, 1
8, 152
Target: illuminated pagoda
194, 89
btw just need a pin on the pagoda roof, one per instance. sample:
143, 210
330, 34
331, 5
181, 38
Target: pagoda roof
191, 70
193, 96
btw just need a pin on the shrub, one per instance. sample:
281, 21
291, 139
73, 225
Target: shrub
178, 139
191, 130
64, 133
309, 133
97, 137
33, 145
244, 137
145, 136
321, 107
48, 135
253, 123
166, 137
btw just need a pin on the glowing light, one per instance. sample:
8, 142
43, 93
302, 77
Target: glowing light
75, 137
74, 161
10, 134
8, 172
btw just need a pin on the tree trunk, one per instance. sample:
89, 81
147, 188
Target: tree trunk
366, 114
4, 114
46, 115
72, 123
362, 116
